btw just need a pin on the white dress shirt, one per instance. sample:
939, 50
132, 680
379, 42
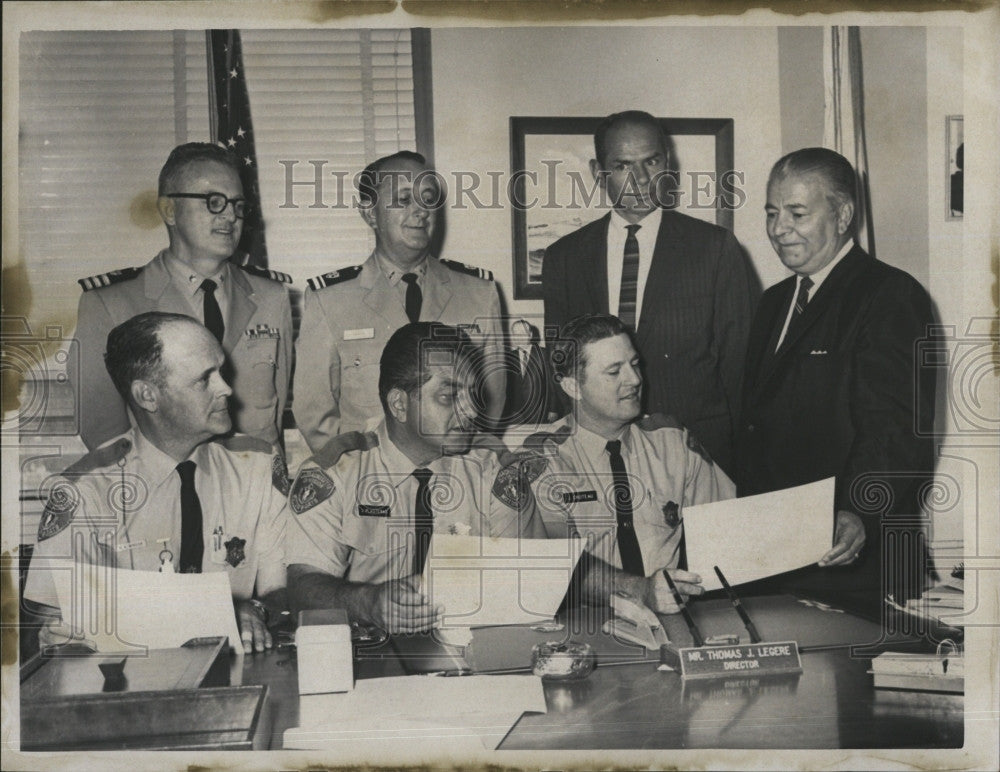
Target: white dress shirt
646, 236
817, 279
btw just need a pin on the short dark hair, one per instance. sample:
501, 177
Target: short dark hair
193, 152
413, 346
135, 350
568, 359
830, 165
370, 177
626, 118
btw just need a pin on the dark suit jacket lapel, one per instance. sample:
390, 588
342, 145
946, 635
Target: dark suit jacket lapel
660, 269
827, 294
594, 270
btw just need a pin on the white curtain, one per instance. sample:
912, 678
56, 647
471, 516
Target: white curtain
844, 127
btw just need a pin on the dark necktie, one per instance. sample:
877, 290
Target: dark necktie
802, 298
414, 297
213, 314
423, 519
192, 541
628, 544
630, 278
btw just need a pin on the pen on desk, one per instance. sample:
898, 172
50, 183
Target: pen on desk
735, 600
695, 632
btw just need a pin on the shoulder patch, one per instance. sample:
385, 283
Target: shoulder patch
279, 474
470, 270
513, 482
109, 278
334, 277
344, 443
99, 458
60, 508
266, 273
654, 421
312, 486
697, 447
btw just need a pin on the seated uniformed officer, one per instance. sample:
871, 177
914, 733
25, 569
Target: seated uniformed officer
166, 495
364, 508
619, 482
246, 308
348, 315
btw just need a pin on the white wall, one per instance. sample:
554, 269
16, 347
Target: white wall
484, 76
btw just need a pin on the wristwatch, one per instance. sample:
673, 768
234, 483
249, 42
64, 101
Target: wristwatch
265, 615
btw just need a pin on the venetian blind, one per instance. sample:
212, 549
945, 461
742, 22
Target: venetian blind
99, 112
323, 102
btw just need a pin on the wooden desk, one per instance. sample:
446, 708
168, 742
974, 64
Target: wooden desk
832, 704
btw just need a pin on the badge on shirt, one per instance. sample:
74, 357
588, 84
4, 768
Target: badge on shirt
671, 514
363, 333
234, 551
373, 510
575, 497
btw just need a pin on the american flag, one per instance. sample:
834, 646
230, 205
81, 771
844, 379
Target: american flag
232, 127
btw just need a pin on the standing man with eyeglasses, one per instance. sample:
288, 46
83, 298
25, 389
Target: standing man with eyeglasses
246, 308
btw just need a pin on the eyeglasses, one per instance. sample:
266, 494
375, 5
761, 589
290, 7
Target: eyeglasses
216, 202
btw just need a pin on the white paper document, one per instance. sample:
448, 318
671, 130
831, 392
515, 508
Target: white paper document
416, 716
485, 581
123, 610
759, 536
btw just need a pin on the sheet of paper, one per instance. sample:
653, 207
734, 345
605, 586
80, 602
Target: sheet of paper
390, 713
759, 536
484, 581
122, 610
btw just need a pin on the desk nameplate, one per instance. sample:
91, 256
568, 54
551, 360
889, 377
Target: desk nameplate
748, 658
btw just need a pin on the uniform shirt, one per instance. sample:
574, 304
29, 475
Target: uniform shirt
349, 315
257, 342
667, 469
353, 513
241, 485
189, 285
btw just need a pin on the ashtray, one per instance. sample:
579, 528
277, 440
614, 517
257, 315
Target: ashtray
562, 661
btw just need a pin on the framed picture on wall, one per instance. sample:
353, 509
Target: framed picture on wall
955, 163
553, 191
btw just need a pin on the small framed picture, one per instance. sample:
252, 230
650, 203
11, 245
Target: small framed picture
955, 150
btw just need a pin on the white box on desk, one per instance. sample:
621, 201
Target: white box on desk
324, 652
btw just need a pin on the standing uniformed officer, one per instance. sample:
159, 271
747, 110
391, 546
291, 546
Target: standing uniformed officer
619, 482
246, 308
166, 496
364, 508
349, 314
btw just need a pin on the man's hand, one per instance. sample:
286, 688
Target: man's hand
253, 626
660, 598
399, 607
848, 539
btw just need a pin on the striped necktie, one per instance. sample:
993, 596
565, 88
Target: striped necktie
630, 278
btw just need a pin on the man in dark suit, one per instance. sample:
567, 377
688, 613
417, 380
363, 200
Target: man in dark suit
531, 400
832, 388
682, 284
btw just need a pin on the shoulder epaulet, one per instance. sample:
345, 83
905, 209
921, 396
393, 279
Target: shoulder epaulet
241, 443
267, 273
471, 270
651, 423
538, 439
344, 443
109, 278
334, 277
101, 457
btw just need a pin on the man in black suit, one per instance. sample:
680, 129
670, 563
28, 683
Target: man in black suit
831, 386
682, 284
530, 397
